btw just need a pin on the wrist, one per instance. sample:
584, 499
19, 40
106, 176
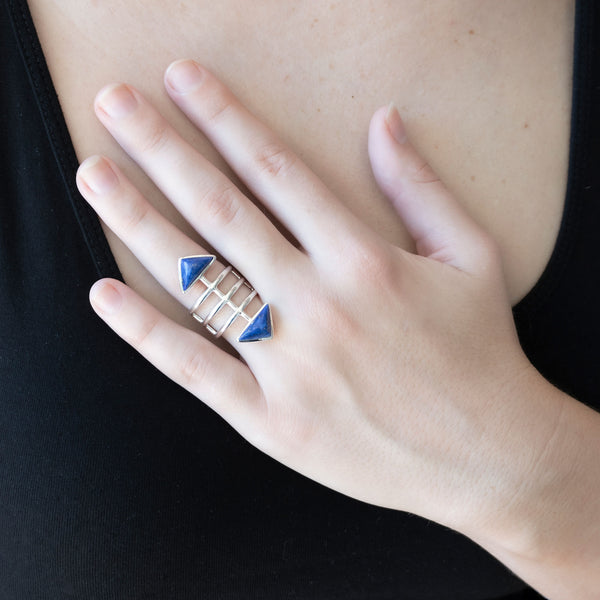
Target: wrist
548, 527
557, 510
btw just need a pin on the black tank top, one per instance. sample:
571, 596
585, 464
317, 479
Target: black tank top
116, 483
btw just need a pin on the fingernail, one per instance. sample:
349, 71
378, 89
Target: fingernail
394, 123
116, 100
98, 175
184, 76
105, 298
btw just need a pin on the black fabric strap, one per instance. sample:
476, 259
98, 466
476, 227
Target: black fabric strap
58, 135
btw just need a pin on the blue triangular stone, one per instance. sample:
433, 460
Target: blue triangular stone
191, 267
259, 328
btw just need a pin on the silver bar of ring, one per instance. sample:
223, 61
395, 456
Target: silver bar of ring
192, 270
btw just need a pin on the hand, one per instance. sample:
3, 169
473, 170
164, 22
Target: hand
391, 377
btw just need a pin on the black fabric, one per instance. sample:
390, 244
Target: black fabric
558, 321
115, 483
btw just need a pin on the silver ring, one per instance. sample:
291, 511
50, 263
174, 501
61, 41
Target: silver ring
192, 269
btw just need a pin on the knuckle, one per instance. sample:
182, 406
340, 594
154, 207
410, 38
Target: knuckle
156, 137
218, 107
373, 264
423, 173
143, 336
342, 322
134, 216
192, 370
221, 206
286, 433
274, 159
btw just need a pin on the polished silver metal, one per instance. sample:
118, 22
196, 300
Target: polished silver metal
211, 286
238, 312
225, 299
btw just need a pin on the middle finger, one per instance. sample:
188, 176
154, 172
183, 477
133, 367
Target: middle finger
157, 243
203, 195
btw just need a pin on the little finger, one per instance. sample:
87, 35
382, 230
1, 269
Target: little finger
157, 243
182, 355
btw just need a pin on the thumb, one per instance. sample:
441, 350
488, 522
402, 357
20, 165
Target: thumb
440, 227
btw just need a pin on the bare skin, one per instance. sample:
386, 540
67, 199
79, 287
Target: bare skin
446, 423
505, 488
484, 88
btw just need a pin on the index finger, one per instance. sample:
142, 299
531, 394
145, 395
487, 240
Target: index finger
274, 173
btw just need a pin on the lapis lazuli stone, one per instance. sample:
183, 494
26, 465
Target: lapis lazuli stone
260, 328
192, 267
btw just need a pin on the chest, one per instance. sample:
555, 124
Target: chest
485, 89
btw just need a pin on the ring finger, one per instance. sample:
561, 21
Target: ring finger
154, 240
